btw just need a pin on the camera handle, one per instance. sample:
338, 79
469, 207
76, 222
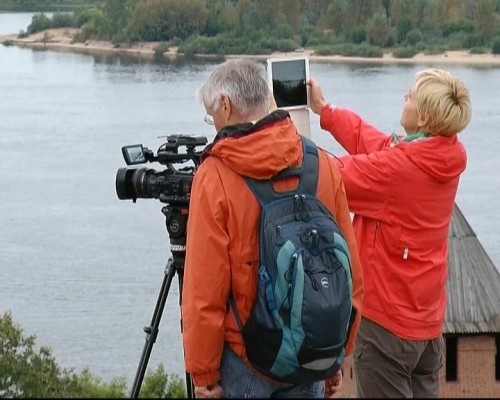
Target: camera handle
176, 222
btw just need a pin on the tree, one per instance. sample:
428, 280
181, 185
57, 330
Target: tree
485, 19
291, 11
163, 20
378, 29
28, 372
404, 26
430, 16
117, 14
335, 16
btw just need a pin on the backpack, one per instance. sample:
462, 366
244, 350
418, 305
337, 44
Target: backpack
298, 327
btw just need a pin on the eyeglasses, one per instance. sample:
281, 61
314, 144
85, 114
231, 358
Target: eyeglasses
209, 119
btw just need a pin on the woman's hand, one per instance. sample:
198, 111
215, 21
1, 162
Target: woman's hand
316, 99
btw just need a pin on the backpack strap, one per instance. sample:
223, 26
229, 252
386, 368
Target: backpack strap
265, 193
307, 174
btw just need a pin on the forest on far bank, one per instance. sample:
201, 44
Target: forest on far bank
365, 28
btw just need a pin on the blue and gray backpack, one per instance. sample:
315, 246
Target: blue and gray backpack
297, 330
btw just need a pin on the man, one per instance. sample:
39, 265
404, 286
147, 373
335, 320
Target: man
222, 255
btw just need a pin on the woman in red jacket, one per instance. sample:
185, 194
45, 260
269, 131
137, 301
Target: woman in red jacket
401, 190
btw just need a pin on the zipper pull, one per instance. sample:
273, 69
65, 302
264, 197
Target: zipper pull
405, 253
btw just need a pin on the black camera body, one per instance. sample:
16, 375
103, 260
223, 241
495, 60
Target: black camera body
172, 185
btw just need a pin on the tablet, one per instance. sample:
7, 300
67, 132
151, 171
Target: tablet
287, 78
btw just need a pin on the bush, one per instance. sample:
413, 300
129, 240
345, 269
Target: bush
435, 50
465, 26
350, 50
420, 46
159, 385
39, 23
471, 40
478, 50
62, 20
405, 52
286, 45
28, 372
358, 35
414, 36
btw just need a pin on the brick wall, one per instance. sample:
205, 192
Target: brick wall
475, 371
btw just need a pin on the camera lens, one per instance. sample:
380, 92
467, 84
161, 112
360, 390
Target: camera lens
146, 183
124, 188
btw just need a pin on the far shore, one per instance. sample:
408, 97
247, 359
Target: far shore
61, 39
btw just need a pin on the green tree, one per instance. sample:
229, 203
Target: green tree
268, 14
117, 13
30, 372
430, 16
404, 26
378, 29
291, 11
335, 16
485, 19
163, 20
39, 22
159, 385
495, 49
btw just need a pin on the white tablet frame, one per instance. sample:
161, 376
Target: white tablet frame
275, 60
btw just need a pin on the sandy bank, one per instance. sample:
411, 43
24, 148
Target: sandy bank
62, 39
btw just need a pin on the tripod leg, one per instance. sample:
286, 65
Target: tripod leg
189, 382
152, 330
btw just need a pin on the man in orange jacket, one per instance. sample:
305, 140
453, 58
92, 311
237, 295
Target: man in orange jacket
222, 249
402, 190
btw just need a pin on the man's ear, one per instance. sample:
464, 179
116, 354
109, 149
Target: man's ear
225, 106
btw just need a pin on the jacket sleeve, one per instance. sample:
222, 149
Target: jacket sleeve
343, 218
371, 169
354, 134
370, 182
206, 277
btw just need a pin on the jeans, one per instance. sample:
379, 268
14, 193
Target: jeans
240, 381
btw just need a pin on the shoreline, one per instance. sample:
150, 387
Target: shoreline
61, 39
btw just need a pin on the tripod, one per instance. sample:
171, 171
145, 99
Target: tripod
176, 222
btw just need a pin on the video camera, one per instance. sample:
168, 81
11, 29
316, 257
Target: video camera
171, 185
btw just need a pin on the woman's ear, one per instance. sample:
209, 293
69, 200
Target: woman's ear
423, 120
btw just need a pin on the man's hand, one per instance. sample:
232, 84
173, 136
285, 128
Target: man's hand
333, 384
209, 392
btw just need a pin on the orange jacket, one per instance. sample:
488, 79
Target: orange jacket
402, 194
222, 249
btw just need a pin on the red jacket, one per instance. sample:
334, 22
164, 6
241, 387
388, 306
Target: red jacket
222, 249
402, 195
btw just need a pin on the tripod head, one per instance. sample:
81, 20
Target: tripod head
176, 217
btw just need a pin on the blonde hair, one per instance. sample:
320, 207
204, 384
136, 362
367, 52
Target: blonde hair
444, 99
243, 81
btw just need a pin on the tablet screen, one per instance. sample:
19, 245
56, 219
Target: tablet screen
288, 77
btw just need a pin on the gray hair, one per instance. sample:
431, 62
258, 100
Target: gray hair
243, 81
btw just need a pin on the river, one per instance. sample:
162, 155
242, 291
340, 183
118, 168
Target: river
81, 269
